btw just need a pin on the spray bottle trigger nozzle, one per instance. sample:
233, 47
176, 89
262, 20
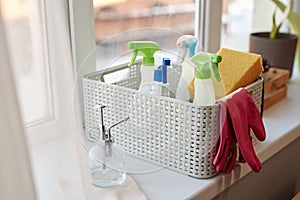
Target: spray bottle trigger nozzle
134, 55
192, 48
215, 72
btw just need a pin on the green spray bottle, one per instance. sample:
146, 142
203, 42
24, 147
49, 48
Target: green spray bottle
147, 50
206, 63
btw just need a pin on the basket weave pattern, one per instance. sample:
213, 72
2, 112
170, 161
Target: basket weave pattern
165, 131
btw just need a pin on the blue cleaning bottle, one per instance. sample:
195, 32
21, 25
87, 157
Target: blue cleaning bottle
160, 85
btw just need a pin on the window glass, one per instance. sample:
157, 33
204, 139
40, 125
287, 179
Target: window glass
161, 21
25, 36
242, 17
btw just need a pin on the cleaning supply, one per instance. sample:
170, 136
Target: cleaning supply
147, 50
186, 44
245, 115
238, 114
238, 69
105, 158
227, 147
160, 86
206, 63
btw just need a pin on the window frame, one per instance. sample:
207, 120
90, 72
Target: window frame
81, 30
57, 58
60, 83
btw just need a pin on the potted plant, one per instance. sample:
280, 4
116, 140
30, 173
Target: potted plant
276, 47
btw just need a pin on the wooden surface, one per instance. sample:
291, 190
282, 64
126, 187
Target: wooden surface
275, 79
275, 88
274, 97
297, 197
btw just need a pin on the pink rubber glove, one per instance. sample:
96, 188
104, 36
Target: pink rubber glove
226, 154
244, 114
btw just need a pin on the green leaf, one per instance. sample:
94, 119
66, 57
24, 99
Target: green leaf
274, 33
287, 10
294, 22
275, 28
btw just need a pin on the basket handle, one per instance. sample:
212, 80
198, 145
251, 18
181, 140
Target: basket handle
116, 68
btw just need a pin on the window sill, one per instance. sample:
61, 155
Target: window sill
56, 161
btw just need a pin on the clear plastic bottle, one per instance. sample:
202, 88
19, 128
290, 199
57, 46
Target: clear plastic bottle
105, 162
106, 159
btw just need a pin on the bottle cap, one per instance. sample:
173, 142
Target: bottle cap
166, 61
207, 63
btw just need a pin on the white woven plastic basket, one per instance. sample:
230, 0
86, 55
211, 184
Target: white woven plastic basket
165, 131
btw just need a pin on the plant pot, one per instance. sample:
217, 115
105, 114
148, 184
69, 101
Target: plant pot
279, 52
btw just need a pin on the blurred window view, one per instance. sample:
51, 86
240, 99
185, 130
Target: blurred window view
114, 17
160, 20
242, 17
237, 20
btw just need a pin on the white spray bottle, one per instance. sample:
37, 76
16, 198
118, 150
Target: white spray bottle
147, 50
206, 63
185, 44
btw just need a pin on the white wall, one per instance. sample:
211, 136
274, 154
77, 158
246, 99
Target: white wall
262, 18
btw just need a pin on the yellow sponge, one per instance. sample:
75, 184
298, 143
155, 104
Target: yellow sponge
238, 69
